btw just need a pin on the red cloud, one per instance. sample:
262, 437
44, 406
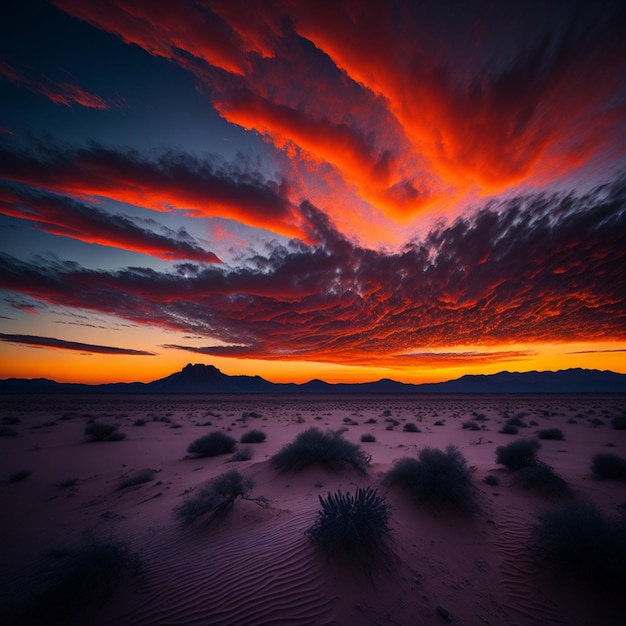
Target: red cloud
61, 344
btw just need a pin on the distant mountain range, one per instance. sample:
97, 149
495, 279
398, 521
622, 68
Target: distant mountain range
201, 378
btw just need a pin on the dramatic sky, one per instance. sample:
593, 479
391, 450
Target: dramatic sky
344, 190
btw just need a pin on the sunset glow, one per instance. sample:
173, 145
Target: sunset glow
347, 191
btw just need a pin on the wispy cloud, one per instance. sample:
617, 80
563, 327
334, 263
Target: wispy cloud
61, 344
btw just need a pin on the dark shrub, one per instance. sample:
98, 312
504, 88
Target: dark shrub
20, 475
392, 421
542, 478
550, 433
138, 478
314, 446
619, 422
435, 478
596, 421
11, 420
97, 431
356, 526
68, 483
212, 444
491, 480
140, 421
253, 436
217, 498
368, 438
471, 425
577, 540
7, 432
607, 465
410, 427
509, 429
371, 421
83, 578
516, 421
439, 423
518, 454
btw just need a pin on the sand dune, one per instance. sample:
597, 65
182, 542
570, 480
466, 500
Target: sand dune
257, 566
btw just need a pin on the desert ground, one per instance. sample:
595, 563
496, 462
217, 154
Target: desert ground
256, 565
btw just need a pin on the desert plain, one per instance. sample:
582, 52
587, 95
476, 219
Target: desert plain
256, 565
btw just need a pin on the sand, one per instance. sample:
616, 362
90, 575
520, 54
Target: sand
257, 566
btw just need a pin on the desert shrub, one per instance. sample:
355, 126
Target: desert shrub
542, 478
368, 438
619, 422
212, 444
509, 429
607, 465
20, 475
68, 483
315, 446
11, 420
491, 480
435, 478
371, 421
138, 478
97, 431
82, 577
410, 427
392, 421
518, 454
253, 436
516, 421
217, 498
577, 540
7, 432
572, 420
439, 423
140, 421
596, 421
356, 526
241, 454
470, 425
550, 433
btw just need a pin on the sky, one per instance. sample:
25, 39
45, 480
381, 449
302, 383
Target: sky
346, 190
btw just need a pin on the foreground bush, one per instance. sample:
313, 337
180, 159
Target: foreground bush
314, 446
217, 498
212, 444
518, 454
607, 465
577, 540
542, 478
356, 526
82, 579
253, 436
435, 478
550, 433
97, 431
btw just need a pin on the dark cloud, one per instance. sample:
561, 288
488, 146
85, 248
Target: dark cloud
539, 268
69, 218
202, 187
51, 342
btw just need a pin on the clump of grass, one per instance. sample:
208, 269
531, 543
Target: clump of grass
517, 421
368, 438
253, 436
315, 446
435, 478
217, 498
20, 475
518, 454
542, 479
212, 444
98, 431
550, 433
619, 422
410, 427
607, 465
509, 429
83, 578
355, 526
470, 425
578, 541
137, 478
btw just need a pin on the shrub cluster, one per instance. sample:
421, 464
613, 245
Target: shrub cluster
315, 446
410, 427
607, 465
97, 431
435, 478
518, 454
253, 436
542, 478
368, 438
550, 433
578, 540
354, 525
217, 498
212, 444
509, 429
